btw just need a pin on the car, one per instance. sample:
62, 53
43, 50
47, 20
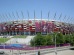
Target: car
71, 48
2, 52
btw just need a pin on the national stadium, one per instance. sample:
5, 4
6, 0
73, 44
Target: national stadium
32, 27
36, 27
35, 35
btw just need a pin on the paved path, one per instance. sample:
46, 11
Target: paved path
51, 51
66, 52
20, 40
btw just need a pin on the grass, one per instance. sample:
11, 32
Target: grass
19, 36
3, 40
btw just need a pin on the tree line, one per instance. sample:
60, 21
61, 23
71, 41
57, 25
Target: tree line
49, 39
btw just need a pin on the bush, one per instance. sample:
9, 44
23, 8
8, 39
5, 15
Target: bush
60, 38
40, 40
72, 39
48, 40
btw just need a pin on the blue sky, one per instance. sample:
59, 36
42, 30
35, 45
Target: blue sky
66, 7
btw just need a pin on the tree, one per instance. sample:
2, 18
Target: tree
59, 38
67, 38
48, 39
72, 39
38, 40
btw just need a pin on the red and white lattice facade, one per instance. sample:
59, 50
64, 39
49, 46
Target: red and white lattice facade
34, 26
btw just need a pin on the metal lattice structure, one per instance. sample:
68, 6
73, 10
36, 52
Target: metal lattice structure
33, 27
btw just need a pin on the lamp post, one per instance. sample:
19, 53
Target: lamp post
55, 45
4, 42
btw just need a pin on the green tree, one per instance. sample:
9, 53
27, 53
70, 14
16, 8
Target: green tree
48, 39
59, 38
67, 38
72, 39
38, 40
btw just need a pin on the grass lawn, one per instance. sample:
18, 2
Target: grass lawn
3, 40
19, 36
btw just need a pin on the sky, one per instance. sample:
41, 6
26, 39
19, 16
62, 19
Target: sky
10, 7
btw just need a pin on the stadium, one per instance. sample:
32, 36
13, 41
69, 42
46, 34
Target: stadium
36, 27
35, 34
32, 27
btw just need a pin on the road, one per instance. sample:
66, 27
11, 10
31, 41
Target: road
48, 51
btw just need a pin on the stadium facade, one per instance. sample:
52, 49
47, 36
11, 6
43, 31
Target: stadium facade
32, 27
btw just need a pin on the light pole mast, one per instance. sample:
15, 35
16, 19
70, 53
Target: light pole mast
55, 37
55, 45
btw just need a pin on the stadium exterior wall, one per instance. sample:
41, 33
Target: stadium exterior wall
33, 27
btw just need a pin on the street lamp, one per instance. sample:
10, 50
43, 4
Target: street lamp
4, 41
55, 45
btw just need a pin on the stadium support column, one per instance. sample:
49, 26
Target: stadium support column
53, 23
34, 22
10, 25
60, 22
18, 32
22, 21
35, 30
64, 25
60, 17
28, 21
41, 21
48, 23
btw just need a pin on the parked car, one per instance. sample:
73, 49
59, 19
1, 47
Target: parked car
2, 52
